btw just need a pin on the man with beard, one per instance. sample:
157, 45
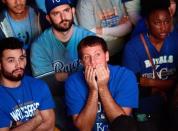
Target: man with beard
20, 21
22, 107
54, 54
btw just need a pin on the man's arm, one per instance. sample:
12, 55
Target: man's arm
84, 121
43, 121
117, 31
161, 85
111, 108
48, 120
61, 76
31, 125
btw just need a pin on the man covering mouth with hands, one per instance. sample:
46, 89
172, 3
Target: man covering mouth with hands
102, 92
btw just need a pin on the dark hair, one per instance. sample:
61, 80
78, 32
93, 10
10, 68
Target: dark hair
149, 6
91, 41
124, 123
10, 43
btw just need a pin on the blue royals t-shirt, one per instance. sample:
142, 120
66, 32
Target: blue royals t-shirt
19, 104
122, 86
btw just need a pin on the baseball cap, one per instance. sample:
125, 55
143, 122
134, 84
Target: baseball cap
51, 4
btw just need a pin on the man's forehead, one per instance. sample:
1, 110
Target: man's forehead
12, 52
60, 8
92, 49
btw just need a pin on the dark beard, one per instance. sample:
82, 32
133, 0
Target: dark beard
10, 76
62, 29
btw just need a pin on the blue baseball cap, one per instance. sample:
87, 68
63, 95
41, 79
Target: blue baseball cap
51, 4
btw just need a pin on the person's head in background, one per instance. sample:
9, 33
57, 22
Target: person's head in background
93, 51
158, 19
12, 59
60, 14
17, 9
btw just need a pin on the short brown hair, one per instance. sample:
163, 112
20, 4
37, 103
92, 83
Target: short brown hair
91, 41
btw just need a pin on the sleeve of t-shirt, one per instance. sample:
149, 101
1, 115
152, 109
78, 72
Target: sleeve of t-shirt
40, 62
127, 93
74, 101
46, 97
4, 119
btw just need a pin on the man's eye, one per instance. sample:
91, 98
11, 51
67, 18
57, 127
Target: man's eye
157, 22
56, 14
67, 10
97, 54
11, 60
22, 58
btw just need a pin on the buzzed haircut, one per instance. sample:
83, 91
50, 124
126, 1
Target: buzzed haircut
149, 6
91, 41
10, 43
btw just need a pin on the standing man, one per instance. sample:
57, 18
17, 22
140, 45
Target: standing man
101, 92
26, 103
54, 54
20, 21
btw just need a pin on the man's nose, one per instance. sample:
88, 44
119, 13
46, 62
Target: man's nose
17, 63
18, 1
92, 61
163, 27
63, 16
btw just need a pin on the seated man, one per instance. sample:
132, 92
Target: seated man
26, 103
54, 54
101, 92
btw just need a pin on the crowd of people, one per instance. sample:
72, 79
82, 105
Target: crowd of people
88, 65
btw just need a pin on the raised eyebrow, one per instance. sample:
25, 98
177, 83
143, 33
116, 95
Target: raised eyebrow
10, 58
23, 55
68, 8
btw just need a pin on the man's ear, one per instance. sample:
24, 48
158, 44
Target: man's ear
73, 13
73, 10
107, 56
48, 19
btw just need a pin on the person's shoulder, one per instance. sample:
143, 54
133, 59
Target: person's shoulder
43, 37
75, 76
82, 30
32, 81
32, 10
119, 70
134, 44
134, 40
